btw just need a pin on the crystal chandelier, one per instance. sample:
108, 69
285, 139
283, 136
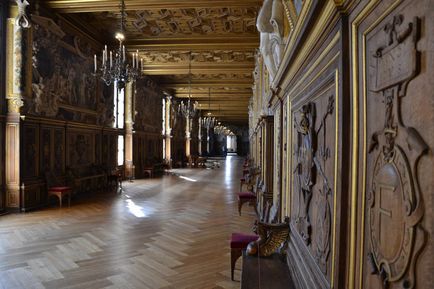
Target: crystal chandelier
114, 65
208, 121
188, 109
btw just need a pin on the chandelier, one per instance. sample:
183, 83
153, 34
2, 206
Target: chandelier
208, 121
114, 64
188, 109
219, 129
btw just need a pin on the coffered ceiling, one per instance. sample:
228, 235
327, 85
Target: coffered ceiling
219, 36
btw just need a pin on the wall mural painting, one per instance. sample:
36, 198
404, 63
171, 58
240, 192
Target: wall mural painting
148, 103
395, 206
312, 153
81, 146
62, 82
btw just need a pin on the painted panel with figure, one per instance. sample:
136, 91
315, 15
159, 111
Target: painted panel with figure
63, 86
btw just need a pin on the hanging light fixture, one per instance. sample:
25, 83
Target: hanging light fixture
219, 128
188, 109
208, 121
114, 65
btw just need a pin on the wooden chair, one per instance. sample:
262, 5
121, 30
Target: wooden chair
149, 171
250, 196
55, 188
114, 178
240, 241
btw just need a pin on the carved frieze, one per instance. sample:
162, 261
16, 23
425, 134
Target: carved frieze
211, 76
215, 56
395, 206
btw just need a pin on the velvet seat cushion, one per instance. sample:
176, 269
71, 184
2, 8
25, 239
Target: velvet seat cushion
246, 195
59, 189
240, 240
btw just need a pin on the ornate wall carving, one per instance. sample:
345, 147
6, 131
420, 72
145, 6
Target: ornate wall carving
395, 206
270, 24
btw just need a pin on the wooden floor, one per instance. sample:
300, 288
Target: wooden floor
170, 232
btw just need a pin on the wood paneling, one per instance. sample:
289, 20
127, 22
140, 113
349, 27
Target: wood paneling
393, 169
356, 143
3, 10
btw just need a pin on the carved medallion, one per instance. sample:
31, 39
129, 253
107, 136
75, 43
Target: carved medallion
394, 203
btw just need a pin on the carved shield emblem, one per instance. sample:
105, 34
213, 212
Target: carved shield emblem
391, 204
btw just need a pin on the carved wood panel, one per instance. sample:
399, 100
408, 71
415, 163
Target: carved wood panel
80, 148
397, 193
29, 151
313, 169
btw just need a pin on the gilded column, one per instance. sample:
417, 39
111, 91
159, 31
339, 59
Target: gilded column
129, 166
15, 72
187, 136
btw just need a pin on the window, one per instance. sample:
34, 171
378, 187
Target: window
119, 102
120, 150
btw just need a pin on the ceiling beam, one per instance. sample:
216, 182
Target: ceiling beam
212, 69
86, 6
215, 96
216, 83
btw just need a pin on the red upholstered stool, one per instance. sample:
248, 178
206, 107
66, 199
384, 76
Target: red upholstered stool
245, 197
60, 192
239, 241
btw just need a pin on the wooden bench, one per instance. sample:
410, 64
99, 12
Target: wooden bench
265, 272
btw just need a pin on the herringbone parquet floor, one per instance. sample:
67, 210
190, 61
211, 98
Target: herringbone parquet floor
168, 233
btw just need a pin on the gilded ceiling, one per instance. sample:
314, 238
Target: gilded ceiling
219, 36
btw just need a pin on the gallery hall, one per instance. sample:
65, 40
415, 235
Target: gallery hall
216, 144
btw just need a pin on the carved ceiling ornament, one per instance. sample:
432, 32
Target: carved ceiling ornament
175, 22
394, 203
211, 76
270, 24
215, 56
